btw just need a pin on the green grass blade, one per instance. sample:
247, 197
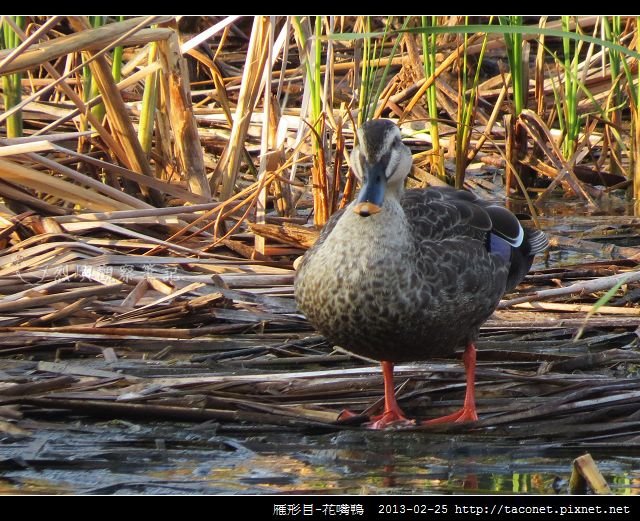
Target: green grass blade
429, 49
498, 29
598, 304
149, 98
12, 83
116, 68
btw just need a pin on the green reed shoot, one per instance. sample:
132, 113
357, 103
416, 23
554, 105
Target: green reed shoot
467, 105
371, 52
90, 85
317, 80
634, 97
97, 110
569, 118
618, 66
312, 51
519, 69
429, 49
116, 67
149, 99
12, 83
373, 81
367, 72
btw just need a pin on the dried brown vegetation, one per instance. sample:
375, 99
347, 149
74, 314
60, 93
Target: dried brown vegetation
116, 257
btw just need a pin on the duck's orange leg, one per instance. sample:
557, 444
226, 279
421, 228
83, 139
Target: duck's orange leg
392, 412
468, 411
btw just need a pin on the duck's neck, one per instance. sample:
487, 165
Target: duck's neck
385, 230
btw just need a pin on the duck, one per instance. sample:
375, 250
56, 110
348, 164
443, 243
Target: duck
408, 275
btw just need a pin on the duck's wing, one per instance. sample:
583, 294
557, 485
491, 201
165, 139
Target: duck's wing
439, 213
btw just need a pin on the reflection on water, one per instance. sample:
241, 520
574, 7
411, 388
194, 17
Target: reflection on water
558, 206
192, 461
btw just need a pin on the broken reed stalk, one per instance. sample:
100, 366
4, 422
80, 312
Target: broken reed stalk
55, 186
586, 476
229, 163
106, 136
110, 35
176, 88
95, 39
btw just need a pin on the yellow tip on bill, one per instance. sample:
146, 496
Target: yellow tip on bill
365, 209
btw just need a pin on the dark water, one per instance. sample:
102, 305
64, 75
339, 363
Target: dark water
129, 458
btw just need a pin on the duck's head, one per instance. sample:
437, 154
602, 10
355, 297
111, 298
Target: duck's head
381, 161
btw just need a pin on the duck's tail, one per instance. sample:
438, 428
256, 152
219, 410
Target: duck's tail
534, 242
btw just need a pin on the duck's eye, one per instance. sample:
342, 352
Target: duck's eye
362, 158
397, 141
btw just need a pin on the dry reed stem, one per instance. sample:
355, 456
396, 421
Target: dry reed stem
537, 129
446, 63
584, 287
76, 99
45, 183
577, 308
208, 33
186, 140
151, 182
35, 35
117, 115
94, 39
251, 83
267, 138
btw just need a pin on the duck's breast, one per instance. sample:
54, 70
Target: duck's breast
393, 287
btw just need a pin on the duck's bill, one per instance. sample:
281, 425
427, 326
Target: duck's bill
371, 194
365, 209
